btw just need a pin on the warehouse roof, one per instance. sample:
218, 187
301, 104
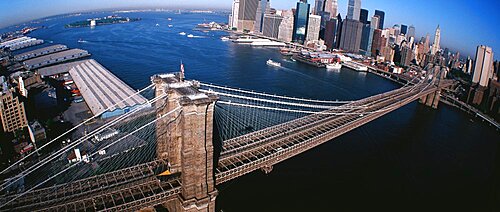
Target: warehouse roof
58, 69
50, 57
53, 48
101, 89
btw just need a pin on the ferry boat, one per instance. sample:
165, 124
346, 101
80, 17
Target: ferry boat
334, 66
182, 33
272, 63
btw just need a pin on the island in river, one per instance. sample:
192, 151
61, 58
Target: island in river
102, 21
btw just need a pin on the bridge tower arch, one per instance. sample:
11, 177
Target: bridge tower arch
432, 99
184, 139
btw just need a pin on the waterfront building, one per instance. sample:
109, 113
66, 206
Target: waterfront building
233, 18
351, 35
55, 58
20, 43
381, 15
363, 16
411, 32
330, 33
12, 113
313, 28
437, 39
483, 66
285, 32
331, 8
271, 25
263, 8
404, 29
247, 15
353, 9
300, 22
40, 52
105, 94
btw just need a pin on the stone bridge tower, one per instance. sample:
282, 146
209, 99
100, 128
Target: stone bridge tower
184, 139
432, 99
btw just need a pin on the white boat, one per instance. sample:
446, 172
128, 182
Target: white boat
169, 19
294, 60
170, 25
182, 33
82, 41
224, 38
334, 66
157, 25
190, 36
272, 63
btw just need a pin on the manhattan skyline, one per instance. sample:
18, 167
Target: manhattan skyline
464, 24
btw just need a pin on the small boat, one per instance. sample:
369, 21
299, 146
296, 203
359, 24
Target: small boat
272, 63
224, 38
82, 41
170, 25
157, 25
292, 59
190, 36
182, 33
333, 66
169, 19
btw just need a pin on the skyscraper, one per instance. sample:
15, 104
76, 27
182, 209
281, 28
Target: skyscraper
353, 9
381, 15
330, 33
300, 22
331, 7
483, 66
247, 15
319, 6
233, 18
286, 27
12, 113
377, 39
263, 8
437, 38
363, 16
411, 32
351, 35
404, 29
271, 26
313, 27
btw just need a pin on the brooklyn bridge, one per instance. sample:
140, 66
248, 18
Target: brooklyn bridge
189, 138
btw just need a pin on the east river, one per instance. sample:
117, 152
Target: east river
413, 159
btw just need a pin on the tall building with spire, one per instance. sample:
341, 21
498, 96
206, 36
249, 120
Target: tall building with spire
331, 7
437, 39
354, 9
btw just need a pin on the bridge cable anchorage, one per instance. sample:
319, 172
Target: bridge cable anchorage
60, 152
93, 154
272, 95
75, 127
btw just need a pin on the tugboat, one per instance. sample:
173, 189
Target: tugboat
334, 66
272, 63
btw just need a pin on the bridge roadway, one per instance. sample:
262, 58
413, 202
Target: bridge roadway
131, 188
263, 149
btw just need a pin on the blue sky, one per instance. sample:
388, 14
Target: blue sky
464, 23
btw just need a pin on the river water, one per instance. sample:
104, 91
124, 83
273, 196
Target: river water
412, 159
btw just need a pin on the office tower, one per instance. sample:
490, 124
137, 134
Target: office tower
366, 40
363, 16
374, 22
300, 22
469, 65
12, 112
435, 47
353, 9
388, 53
263, 8
483, 66
411, 32
271, 25
286, 27
330, 33
331, 8
339, 31
380, 14
313, 28
407, 56
376, 43
319, 5
247, 15
397, 30
404, 29
351, 35
233, 18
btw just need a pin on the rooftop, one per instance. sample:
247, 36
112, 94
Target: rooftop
58, 69
39, 52
101, 89
50, 57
